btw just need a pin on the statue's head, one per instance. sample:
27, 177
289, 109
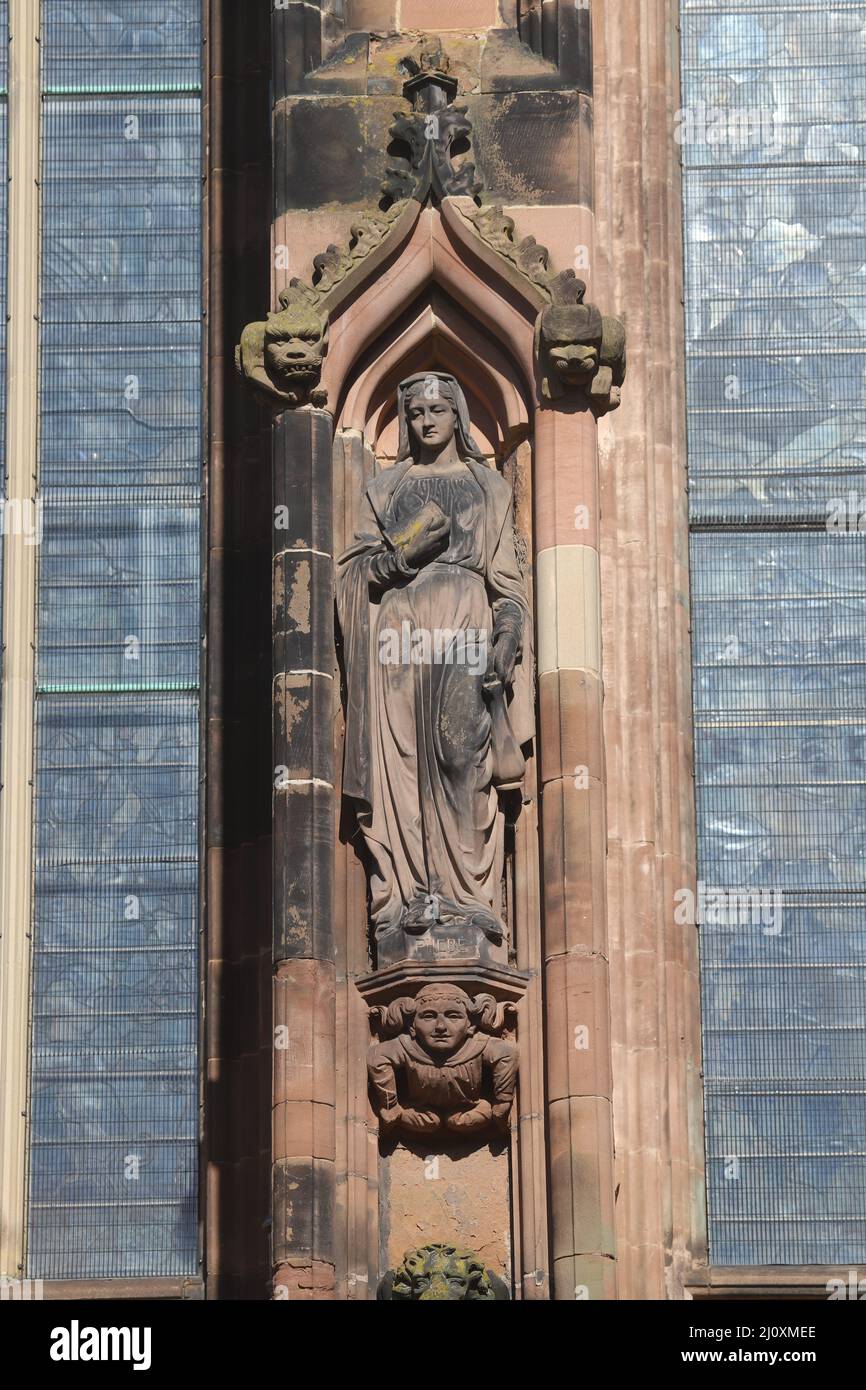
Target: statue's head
442, 1019
295, 344
432, 411
442, 1273
441, 1016
431, 414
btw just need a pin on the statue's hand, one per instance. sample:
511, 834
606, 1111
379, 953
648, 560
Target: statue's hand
427, 536
389, 1119
505, 656
420, 1121
478, 1117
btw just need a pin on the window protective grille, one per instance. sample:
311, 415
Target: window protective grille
114, 1106
773, 133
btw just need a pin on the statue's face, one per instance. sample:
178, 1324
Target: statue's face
442, 1026
432, 423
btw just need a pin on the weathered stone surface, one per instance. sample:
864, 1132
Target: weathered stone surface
573, 866
348, 136
304, 1283
303, 884
534, 146
571, 734
302, 480
303, 745
378, 15
345, 72
579, 1012
303, 1211
655, 1024
449, 14
303, 611
509, 65
297, 45
459, 1195
582, 1181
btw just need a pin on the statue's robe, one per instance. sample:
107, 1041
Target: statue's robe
419, 753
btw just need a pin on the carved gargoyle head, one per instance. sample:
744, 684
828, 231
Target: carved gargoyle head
296, 340
571, 343
579, 349
444, 1274
284, 355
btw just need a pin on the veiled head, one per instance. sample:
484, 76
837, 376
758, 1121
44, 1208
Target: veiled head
432, 410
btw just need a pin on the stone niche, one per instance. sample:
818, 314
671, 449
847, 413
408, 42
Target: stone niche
435, 390
442, 1075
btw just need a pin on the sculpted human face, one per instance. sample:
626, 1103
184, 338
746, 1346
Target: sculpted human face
442, 1026
432, 423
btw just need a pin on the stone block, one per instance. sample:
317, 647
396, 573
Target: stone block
303, 817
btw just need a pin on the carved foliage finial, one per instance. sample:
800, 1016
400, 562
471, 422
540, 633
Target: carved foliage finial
431, 132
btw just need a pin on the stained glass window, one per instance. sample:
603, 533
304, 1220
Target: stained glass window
114, 1076
773, 134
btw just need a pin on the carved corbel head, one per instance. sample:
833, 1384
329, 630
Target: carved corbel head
482, 1013
578, 348
284, 355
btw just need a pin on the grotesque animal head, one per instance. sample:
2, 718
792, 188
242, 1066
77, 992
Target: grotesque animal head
296, 340
442, 1273
284, 356
570, 343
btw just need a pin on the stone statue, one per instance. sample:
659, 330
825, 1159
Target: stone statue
437, 649
443, 1273
444, 1070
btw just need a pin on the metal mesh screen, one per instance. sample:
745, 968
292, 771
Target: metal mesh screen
773, 134
114, 1073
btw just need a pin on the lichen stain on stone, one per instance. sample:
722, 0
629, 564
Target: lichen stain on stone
289, 709
296, 928
298, 611
498, 169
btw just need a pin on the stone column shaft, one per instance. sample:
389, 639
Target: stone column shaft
303, 819
568, 606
